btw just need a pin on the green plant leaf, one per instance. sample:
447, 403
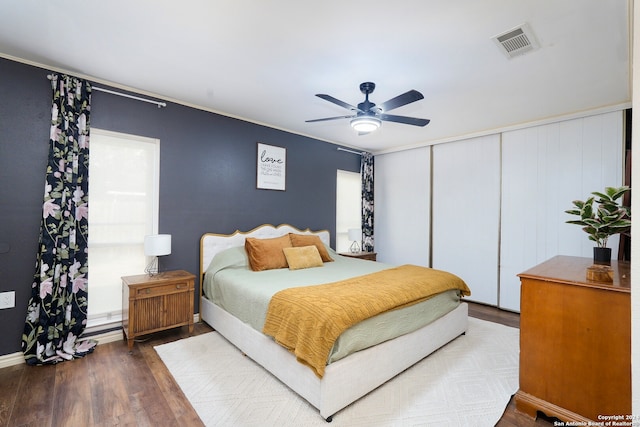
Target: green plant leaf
606, 219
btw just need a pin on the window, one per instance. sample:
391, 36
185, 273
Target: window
123, 208
348, 207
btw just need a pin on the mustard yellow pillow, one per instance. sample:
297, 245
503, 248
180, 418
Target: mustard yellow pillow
266, 254
302, 257
298, 240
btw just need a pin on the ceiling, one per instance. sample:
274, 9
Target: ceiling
264, 61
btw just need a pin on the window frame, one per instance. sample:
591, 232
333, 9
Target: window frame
347, 216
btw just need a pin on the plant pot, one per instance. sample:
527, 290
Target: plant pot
602, 255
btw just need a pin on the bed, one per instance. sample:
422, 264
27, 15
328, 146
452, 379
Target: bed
351, 373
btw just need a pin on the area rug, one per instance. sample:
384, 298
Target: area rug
468, 382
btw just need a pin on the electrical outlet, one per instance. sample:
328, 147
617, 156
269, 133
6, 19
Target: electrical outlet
7, 299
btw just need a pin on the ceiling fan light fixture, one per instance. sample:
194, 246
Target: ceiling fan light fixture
365, 124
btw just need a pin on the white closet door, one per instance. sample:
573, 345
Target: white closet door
544, 169
466, 213
401, 213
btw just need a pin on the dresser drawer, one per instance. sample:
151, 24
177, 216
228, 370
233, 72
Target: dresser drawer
162, 290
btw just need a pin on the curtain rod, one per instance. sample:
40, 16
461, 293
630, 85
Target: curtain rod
126, 95
351, 151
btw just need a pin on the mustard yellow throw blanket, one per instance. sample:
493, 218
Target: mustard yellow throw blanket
307, 320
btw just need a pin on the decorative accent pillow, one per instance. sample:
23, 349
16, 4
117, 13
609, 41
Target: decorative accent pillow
308, 240
266, 254
302, 257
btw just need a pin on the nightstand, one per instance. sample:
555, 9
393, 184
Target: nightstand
370, 256
155, 303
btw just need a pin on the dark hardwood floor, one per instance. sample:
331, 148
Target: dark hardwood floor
111, 387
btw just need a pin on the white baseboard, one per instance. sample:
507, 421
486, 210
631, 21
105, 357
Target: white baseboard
112, 336
108, 337
18, 358
11, 359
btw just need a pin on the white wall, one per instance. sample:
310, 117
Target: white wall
401, 210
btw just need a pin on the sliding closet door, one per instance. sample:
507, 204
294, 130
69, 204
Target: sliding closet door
466, 213
544, 169
401, 214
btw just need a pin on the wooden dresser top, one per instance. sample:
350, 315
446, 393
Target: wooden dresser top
573, 271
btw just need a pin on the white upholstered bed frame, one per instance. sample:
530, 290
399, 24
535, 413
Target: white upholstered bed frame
345, 380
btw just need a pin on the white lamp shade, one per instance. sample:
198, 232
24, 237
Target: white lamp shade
355, 234
157, 244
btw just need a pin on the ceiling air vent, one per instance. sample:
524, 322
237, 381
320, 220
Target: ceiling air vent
516, 41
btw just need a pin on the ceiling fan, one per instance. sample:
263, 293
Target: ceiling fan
368, 116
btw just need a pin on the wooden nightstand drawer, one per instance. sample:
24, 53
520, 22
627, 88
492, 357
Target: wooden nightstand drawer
162, 290
370, 256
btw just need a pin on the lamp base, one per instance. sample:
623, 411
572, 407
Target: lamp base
354, 248
152, 267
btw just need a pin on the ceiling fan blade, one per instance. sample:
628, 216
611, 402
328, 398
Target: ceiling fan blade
329, 118
400, 100
404, 120
337, 102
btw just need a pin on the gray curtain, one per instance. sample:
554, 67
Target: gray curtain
366, 171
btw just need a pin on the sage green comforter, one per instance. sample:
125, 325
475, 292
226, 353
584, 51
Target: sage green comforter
232, 285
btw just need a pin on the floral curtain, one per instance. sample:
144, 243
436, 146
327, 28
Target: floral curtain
366, 171
57, 312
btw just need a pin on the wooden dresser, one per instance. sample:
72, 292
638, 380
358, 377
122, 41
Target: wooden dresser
155, 303
575, 342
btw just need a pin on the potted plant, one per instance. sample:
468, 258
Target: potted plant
608, 218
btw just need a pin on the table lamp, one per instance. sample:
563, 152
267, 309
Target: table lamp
355, 235
156, 245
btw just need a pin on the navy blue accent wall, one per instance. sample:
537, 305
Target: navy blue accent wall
207, 177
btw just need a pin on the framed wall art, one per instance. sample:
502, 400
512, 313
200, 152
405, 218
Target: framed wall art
272, 167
